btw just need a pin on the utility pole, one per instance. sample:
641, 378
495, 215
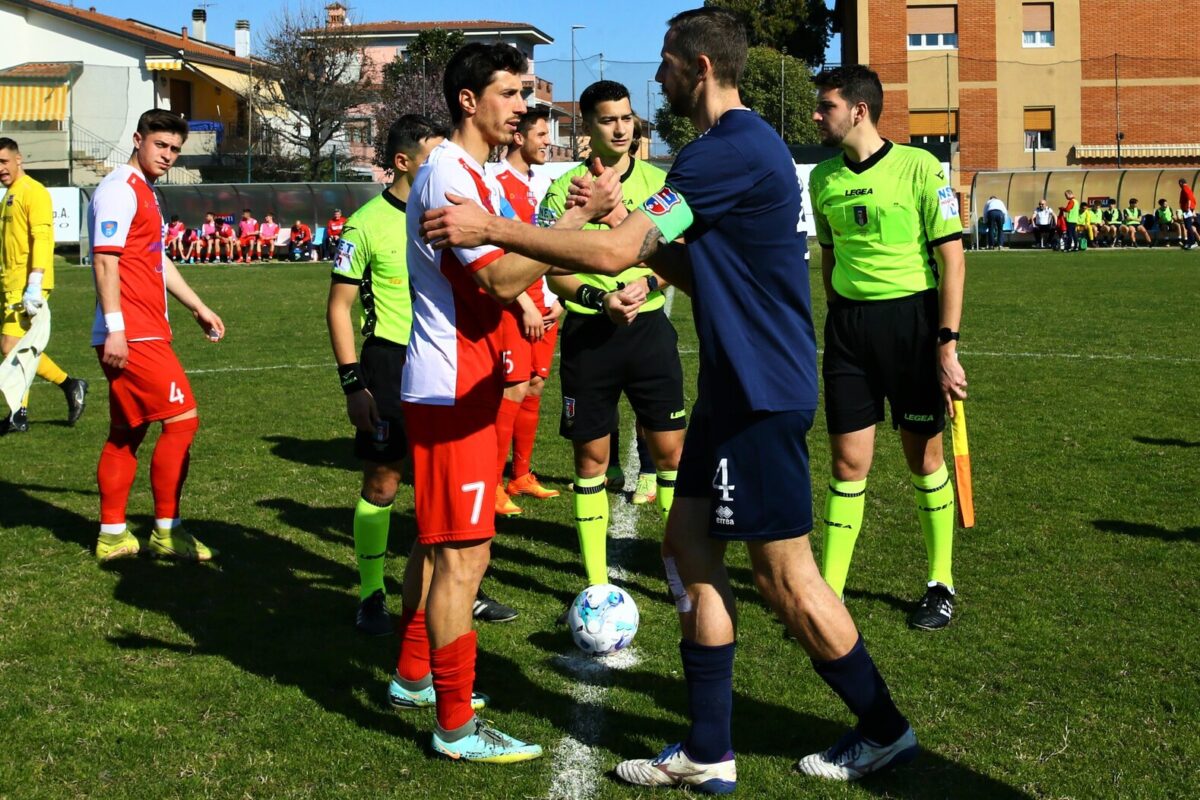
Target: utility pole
1117, 103
574, 97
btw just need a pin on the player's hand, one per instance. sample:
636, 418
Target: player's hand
605, 194
952, 377
116, 350
635, 292
33, 302
361, 409
553, 314
460, 224
620, 310
210, 323
532, 324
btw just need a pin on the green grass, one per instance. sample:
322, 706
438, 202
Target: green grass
1071, 669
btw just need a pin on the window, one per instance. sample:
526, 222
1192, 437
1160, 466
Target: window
932, 127
358, 131
932, 28
1037, 24
1039, 129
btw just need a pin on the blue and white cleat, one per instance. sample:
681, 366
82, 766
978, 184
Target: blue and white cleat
673, 767
484, 744
855, 757
401, 698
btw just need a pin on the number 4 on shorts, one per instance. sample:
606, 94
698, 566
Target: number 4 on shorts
176, 395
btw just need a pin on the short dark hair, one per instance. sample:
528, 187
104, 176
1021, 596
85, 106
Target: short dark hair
858, 83
600, 92
9, 144
407, 133
714, 32
160, 119
174, 218
210, 214
472, 68
1133, 201
247, 211
530, 118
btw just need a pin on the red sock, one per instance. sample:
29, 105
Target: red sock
453, 680
505, 420
169, 466
524, 432
413, 662
116, 471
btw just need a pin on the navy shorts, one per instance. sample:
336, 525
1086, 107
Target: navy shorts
382, 364
753, 469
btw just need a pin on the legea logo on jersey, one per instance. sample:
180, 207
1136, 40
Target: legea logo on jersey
663, 201
108, 228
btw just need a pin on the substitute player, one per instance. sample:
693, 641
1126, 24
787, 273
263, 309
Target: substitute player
733, 195
605, 354
247, 236
893, 267
371, 265
27, 274
132, 337
530, 330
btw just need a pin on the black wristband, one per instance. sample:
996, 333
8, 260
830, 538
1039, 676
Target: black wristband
351, 378
651, 283
590, 297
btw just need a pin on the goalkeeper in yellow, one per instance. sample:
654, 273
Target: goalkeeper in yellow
27, 270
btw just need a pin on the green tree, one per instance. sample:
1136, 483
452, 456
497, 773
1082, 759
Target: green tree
413, 84
761, 91
802, 27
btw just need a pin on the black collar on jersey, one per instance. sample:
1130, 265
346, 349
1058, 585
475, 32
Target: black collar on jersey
859, 167
394, 201
628, 172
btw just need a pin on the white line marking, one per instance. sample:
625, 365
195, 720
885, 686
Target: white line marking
1130, 357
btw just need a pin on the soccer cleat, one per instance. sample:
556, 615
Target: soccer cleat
373, 618
76, 390
855, 757
505, 507
485, 744
179, 544
673, 767
19, 422
407, 699
111, 546
528, 484
614, 478
935, 609
488, 610
646, 490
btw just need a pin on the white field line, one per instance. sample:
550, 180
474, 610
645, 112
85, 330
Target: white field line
577, 764
1128, 357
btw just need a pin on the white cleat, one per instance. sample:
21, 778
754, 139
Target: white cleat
672, 767
855, 757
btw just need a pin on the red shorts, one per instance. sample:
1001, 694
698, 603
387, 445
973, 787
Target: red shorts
245, 240
454, 470
522, 358
151, 387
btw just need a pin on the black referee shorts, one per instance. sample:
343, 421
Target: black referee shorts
599, 360
883, 349
382, 363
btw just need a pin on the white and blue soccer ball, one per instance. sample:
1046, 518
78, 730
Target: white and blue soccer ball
603, 619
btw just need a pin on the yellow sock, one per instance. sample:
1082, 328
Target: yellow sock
50, 371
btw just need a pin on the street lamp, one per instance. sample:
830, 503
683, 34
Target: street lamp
574, 99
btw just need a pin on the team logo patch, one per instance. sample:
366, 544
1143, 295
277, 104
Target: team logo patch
108, 228
345, 254
569, 407
663, 201
947, 202
860, 215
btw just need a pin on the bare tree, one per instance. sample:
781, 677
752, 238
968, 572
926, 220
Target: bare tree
413, 84
313, 75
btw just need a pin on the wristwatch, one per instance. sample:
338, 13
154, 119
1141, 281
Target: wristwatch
945, 336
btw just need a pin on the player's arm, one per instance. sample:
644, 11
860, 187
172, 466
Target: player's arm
41, 240
509, 276
360, 405
205, 317
532, 325
108, 294
943, 230
827, 262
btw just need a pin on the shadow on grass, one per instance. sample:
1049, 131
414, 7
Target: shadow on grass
1145, 531
898, 603
1169, 442
337, 453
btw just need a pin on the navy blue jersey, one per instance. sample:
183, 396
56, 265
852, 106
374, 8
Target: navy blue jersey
734, 196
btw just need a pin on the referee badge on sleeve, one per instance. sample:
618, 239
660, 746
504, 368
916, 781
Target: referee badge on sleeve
345, 253
947, 202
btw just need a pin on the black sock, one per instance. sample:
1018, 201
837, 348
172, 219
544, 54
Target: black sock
857, 681
709, 675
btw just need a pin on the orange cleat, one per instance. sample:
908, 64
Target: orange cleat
528, 484
505, 507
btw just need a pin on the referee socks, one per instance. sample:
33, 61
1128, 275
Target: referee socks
591, 523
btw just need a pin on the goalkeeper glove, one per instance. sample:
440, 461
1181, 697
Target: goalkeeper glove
32, 299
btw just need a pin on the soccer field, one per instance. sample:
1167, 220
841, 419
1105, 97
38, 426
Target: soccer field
1072, 668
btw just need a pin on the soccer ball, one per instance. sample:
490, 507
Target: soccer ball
603, 619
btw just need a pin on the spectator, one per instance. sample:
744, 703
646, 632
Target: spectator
1071, 211
174, 240
300, 242
333, 234
227, 236
247, 236
1060, 231
1043, 225
995, 213
1187, 207
1131, 223
265, 246
208, 237
1164, 219
1101, 229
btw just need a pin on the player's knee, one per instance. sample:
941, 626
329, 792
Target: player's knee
380, 486
516, 392
537, 385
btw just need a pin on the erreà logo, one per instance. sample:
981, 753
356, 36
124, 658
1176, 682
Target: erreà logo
108, 228
663, 201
